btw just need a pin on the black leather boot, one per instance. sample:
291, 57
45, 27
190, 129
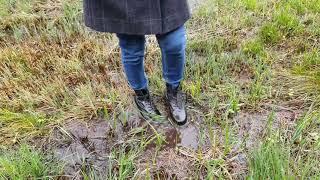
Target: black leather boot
176, 101
145, 105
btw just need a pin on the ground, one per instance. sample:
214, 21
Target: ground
252, 83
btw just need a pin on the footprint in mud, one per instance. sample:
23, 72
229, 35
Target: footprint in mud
186, 136
88, 144
189, 136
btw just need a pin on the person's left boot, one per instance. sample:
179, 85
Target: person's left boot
145, 105
177, 104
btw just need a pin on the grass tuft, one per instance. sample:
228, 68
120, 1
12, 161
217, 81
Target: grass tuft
270, 34
250, 4
16, 126
253, 48
27, 163
287, 22
282, 158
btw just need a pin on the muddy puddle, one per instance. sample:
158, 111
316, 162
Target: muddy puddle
81, 146
251, 127
186, 136
87, 146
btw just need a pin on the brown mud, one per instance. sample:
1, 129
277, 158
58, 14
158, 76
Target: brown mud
86, 146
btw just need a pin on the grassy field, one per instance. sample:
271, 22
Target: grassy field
252, 79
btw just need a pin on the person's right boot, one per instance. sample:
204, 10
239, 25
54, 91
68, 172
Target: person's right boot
145, 105
176, 101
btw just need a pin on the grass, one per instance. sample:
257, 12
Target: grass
243, 57
27, 163
308, 64
275, 158
269, 33
17, 126
124, 164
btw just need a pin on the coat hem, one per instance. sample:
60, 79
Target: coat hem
155, 26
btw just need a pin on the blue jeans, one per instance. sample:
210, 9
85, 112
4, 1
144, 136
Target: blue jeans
172, 45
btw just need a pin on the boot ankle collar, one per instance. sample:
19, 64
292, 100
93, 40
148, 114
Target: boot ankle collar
172, 88
142, 92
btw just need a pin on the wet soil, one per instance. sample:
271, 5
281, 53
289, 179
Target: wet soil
81, 146
86, 146
251, 127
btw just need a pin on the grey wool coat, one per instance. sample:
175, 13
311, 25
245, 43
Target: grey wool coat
137, 17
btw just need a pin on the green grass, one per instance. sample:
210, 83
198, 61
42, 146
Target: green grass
269, 33
271, 162
124, 165
250, 4
18, 126
308, 64
253, 48
242, 57
27, 163
287, 22
287, 158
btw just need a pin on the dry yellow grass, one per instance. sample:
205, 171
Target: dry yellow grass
252, 76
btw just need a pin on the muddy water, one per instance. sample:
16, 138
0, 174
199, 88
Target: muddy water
185, 136
189, 136
81, 145
252, 126
86, 145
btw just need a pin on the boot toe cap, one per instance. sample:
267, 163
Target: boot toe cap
180, 116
